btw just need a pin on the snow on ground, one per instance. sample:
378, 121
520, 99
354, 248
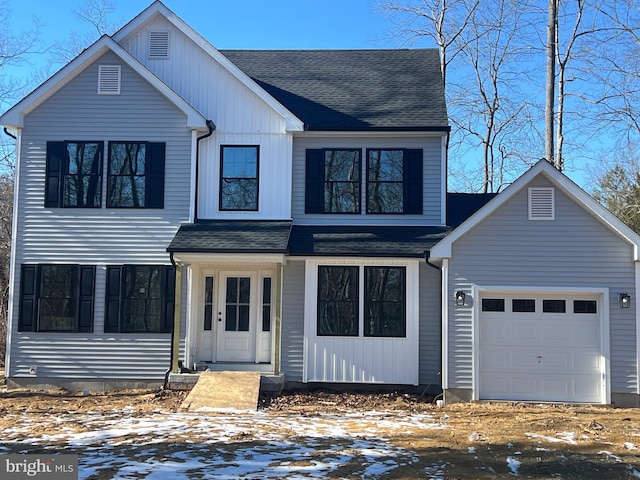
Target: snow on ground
173, 445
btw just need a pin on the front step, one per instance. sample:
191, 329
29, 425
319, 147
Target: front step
224, 391
269, 382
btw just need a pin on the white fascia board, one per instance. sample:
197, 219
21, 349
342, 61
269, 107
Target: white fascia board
14, 117
443, 248
292, 123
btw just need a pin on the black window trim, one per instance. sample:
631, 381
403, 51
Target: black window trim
30, 285
57, 169
361, 301
412, 184
222, 178
115, 298
155, 162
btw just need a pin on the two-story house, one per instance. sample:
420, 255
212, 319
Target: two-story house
180, 208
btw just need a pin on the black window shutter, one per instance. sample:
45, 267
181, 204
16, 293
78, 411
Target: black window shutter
112, 313
413, 181
314, 182
28, 298
168, 297
85, 300
56, 157
155, 175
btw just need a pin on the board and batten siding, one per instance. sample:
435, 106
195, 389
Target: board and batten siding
274, 176
99, 236
573, 251
432, 185
292, 331
203, 82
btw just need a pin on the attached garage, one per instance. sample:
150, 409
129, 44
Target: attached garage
542, 346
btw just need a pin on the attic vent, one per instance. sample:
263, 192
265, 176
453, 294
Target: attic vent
542, 203
158, 44
108, 79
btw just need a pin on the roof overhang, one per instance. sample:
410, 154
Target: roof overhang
14, 117
292, 123
443, 249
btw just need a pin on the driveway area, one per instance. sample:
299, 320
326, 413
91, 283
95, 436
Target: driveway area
143, 435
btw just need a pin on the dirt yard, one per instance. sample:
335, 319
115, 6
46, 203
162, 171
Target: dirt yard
143, 435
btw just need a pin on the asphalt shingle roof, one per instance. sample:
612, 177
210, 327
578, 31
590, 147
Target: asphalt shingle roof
232, 236
364, 241
354, 90
461, 206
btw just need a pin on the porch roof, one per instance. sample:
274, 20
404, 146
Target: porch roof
364, 241
232, 236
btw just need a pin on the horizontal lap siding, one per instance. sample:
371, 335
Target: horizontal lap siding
432, 180
98, 236
292, 342
430, 325
573, 251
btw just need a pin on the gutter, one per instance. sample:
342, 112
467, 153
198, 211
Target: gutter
212, 127
427, 255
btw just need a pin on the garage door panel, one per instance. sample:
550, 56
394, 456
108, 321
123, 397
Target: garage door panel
540, 356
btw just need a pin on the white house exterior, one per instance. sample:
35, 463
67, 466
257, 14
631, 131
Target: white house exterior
180, 208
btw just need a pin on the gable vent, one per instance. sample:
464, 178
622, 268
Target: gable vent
542, 203
158, 44
108, 79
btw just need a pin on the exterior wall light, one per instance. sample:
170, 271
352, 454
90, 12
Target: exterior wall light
460, 298
625, 300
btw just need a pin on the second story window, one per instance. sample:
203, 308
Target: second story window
136, 175
333, 181
239, 178
394, 181
74, 174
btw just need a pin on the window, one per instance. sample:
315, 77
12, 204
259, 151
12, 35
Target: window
338, 300
136, 175
585, 306
140, 298
74, 174
56, 298
208, 303
523, 305
554, 306
394, 181
239, 178
333, 181
493, 304
383, 304
266, 304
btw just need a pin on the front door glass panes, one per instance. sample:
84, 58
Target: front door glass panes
238, 295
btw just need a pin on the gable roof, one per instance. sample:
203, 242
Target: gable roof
461, 206
158, 8
354, 90
560, 181
14, 117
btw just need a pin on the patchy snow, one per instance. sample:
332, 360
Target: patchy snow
513, 465
562, 437
171, 445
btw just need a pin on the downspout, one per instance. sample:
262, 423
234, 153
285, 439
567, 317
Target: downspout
10, 134
211, 126
175, 327
427, 255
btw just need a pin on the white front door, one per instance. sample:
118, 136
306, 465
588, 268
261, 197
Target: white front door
236, 317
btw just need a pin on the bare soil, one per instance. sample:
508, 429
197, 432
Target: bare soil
477, 440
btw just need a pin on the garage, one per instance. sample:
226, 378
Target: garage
536, 346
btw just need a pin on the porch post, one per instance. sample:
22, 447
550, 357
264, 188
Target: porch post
278, 313
175, 337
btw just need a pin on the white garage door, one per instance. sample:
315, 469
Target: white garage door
540, 347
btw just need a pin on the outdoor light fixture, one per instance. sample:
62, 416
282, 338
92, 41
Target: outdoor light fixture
460, 297
625, 300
